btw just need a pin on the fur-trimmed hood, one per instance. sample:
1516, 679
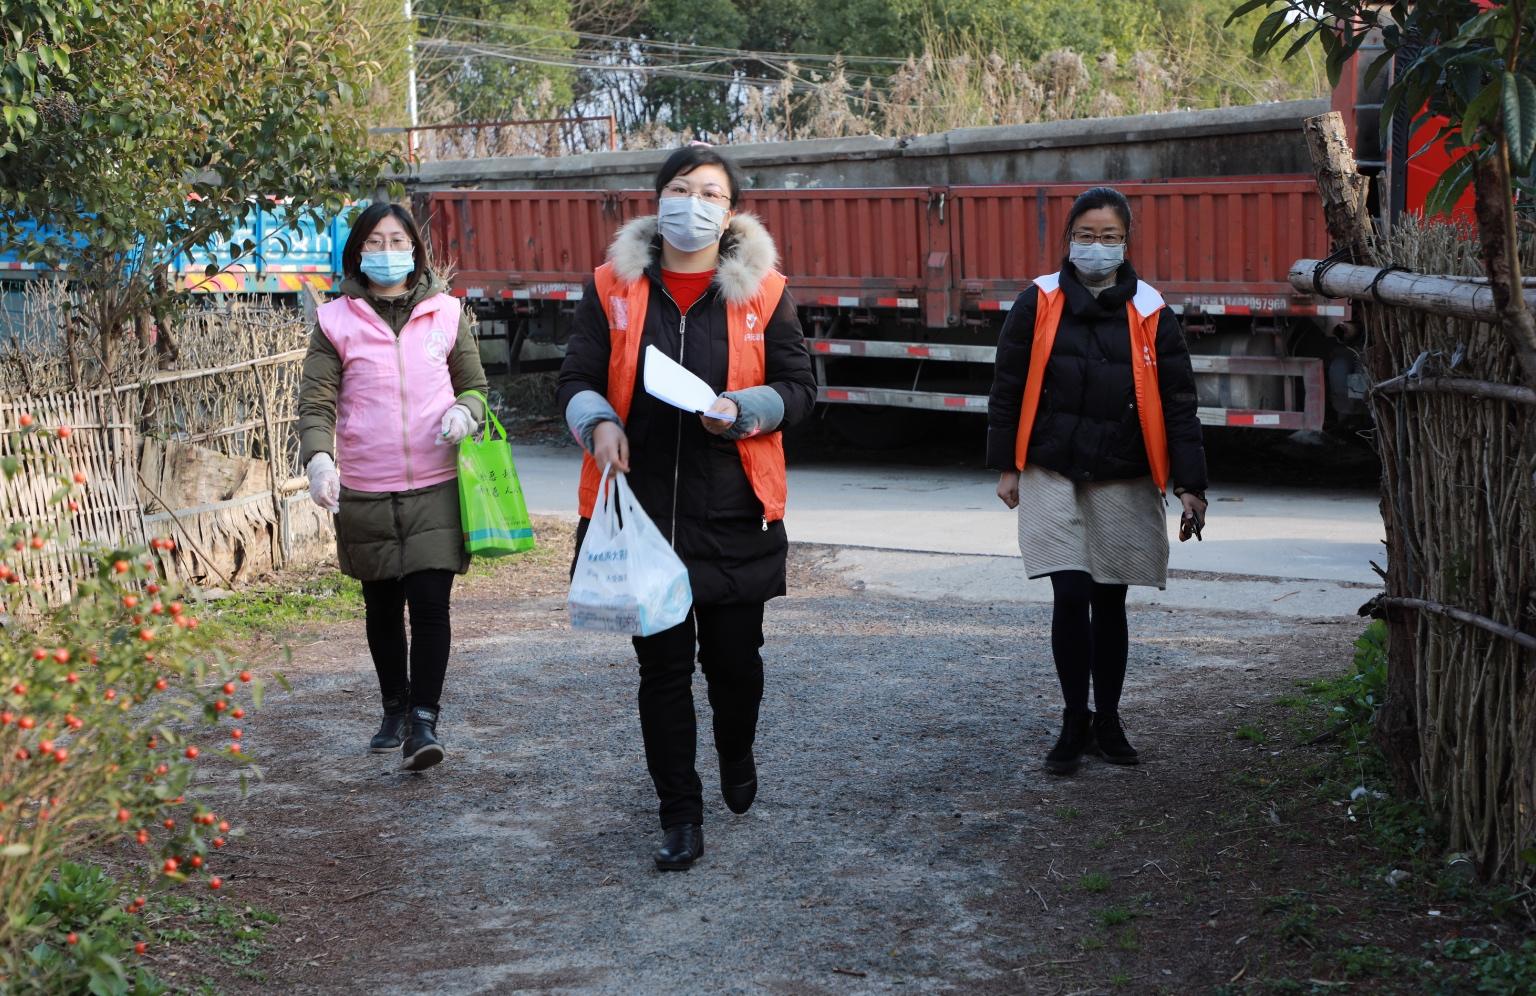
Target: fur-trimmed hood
747, 256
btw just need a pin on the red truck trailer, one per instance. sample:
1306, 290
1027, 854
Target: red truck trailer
902, 289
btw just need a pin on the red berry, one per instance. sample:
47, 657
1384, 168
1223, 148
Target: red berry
39, 654
120, 566
140, 947
74, 506
192, 753
142, 836
152, 588
146, 635
237, 712
220, 706
61, 655
60, 756
245, 676
110, 694
171, 864
176, 608
223, 826
234, 747
237, 733
217, 842
65, 432
161, 769
197, 861
46, 746
123, 815
80, 477
26, 722
169, 824
153, 743
229, 688
215, 883
20, 689
38, 543
157, 609
161, 684
22, 754
72, 678
72, 938
26, 420
6, 718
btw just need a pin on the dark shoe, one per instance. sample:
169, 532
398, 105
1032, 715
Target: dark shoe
422, 750
1075, 740
397, 716
738, 783
684, 844
1109, 735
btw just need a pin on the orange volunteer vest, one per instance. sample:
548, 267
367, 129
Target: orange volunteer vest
1142, 315
762, 456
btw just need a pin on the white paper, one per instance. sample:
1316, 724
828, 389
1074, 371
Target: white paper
670, 381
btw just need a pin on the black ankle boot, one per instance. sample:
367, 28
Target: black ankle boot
1109, 736
738, 783
1075, 740
684, 844
397, 714
422, 750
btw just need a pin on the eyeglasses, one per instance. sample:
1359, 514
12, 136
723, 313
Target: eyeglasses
393, 245
712, 194
1089, 238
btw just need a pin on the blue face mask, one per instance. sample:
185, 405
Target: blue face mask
388, 268
690, 223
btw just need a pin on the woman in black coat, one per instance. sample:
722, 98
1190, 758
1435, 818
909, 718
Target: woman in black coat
1092, 415
700, 261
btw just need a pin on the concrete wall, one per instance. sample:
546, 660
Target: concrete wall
1229, 141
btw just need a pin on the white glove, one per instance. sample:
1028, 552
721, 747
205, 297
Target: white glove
457, 423
324, 482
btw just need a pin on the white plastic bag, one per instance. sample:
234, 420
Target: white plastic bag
627, 579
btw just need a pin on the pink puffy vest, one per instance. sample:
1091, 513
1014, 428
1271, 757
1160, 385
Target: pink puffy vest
394, 391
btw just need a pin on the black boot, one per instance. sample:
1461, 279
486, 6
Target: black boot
1109, 736
422, 750
397, 714
684, 844
1075, 740
738, 783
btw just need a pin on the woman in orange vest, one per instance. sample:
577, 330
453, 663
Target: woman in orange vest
697, 281
1091, 416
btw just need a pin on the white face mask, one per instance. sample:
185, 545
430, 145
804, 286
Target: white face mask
1096, 261
690, 223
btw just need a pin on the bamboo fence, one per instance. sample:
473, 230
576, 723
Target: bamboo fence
206, 455
1456, 433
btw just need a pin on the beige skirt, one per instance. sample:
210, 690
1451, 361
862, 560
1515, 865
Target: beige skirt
1117, 531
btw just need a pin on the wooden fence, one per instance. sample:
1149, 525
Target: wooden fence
207, 457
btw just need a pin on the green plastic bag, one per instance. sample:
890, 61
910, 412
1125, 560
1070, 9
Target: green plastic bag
491, 505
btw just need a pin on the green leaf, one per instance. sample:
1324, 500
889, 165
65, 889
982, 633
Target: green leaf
1484, 105
1267, 35
1520, 119
1451, 185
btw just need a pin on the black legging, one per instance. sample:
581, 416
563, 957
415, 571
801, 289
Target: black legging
427, 594
727, 639
1088, 638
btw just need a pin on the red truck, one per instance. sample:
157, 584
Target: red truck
904, 255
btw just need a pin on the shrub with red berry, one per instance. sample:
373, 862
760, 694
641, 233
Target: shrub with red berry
109, 704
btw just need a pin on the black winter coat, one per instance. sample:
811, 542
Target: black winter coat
689, 482
1087, 427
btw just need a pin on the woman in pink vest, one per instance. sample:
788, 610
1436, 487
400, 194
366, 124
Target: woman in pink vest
697, 281
391, 384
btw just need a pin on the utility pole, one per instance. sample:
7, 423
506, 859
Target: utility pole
410, 91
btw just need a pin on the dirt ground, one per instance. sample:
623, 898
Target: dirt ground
904, 838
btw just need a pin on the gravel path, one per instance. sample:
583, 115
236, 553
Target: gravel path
900, 827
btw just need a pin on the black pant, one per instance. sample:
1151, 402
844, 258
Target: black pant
1088, 639
728, 638
384, 602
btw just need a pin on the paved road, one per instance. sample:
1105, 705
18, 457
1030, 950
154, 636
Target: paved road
1259, 531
